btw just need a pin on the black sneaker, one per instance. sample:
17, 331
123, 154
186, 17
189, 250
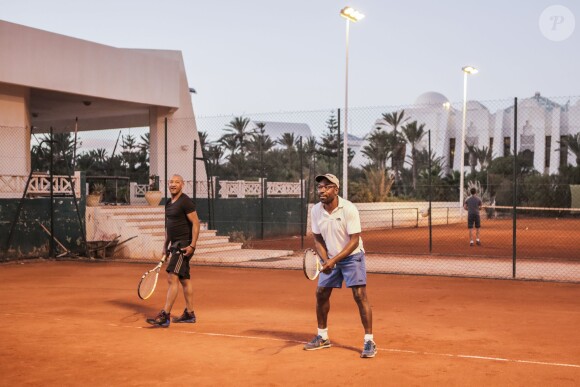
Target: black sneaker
186, 317
161, 320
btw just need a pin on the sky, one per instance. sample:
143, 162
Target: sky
257, 56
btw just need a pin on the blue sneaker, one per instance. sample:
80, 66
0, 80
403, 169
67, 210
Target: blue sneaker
163, 319
369, 350
317, 343
186, 317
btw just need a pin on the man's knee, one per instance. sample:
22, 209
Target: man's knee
359, 293
323, 294
172, 278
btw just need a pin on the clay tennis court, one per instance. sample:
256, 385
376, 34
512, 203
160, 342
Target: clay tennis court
537, 238
77, 323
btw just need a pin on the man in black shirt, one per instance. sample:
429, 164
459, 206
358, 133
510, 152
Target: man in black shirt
181, 231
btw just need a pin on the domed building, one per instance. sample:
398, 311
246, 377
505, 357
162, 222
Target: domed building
541, 125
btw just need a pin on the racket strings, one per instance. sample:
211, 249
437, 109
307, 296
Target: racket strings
147, 285
311, 265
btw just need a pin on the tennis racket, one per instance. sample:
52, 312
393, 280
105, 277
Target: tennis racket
312, 264
149, 281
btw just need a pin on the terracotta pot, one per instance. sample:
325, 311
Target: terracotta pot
93, 200
153, 197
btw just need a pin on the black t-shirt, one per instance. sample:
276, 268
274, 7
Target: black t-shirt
178, 225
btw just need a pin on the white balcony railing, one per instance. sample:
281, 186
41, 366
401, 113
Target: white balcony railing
12, 186
228, 189
243, 189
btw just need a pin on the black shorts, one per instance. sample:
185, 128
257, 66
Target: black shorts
179, 264
473, 219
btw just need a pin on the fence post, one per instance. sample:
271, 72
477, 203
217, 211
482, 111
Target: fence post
194, 182
417, 222
301, 196
51, 176
165, 159
262, 189
515, 189
338, 160
430, 199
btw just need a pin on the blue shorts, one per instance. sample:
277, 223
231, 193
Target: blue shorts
352, 270
473, 219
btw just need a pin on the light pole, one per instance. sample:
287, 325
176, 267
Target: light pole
350, 14
466, 71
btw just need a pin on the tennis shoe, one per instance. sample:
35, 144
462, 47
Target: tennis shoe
163, 319
478, 242
471, 244
369, 350
317, 343
186, 317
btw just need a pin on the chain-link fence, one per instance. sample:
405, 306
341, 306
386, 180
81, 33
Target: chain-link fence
254, 188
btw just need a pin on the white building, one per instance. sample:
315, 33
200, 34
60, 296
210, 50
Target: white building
541, 125
49, 80
275, 130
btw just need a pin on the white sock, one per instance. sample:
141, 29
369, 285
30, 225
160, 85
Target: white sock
323, 333
369, 337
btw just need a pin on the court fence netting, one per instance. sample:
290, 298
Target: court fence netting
83, 195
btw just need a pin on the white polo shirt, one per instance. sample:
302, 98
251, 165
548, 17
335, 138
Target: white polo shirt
337, 226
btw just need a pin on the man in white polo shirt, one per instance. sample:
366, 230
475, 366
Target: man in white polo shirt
336, 228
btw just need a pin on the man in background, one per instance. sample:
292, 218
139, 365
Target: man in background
473, 206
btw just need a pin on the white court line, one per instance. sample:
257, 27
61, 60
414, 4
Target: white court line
473, 357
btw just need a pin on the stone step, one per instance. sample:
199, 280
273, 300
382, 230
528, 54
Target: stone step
159, 231
131, 210
218, 247
200, 242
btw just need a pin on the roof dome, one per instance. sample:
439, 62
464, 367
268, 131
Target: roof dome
431, 98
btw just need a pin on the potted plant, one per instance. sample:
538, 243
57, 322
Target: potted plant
153, 195
95, 195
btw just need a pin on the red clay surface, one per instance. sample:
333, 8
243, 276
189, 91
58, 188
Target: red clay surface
536, 238
70, 323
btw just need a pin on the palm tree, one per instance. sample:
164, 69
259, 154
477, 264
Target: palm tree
413, 134
288, 141
229, 143
472, 150
258, 145
378, 149
214, 154
453, 182
62, 153
237, 130
395, 119
377, 184
202, 138
572, 143
483, 156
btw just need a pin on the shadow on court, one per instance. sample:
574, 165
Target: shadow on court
295, 338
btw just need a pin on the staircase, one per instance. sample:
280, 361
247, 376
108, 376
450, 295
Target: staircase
148, 224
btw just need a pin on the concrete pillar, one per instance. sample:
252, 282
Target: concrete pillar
14, 131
